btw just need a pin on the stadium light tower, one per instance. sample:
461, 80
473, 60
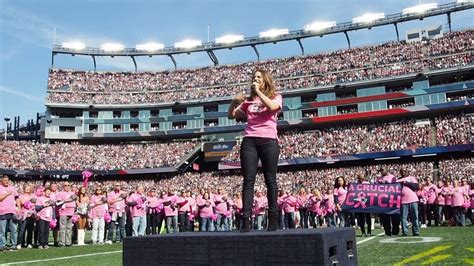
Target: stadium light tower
7, 119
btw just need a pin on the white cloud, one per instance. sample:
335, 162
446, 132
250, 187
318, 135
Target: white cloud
22, 94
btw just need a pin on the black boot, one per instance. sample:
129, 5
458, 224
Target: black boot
272, 222
245, 225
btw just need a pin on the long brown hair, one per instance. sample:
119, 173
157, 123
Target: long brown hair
269, 89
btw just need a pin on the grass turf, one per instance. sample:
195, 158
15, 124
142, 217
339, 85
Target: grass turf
456, 247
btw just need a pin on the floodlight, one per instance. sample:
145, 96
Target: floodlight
150, 46
187, 44
419, 9
369, 17
319, 25
73, 45
273, 33
226, 39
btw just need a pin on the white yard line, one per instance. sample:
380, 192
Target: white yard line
370, 238
62, 258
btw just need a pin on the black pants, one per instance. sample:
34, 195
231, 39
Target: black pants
183, 222
362, 220
267, 150
303, 218
26, 228
151, 224
43, 232
391, 223
430, 213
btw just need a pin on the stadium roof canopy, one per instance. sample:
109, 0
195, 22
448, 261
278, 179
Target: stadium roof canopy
366, 21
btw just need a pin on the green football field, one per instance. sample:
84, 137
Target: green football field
449, 246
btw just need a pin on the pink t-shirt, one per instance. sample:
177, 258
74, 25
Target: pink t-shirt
221, 206
302, 201
329, 203
315, 204
45, 214
289, 204
27, 208
8, 205
448, 195
259, 205
458, 196
171, 209
430, 193
67, 209
340, 193
388, 179
98, 207
408, 195
261, 122
118, 206
206, 211
138, 209
440, 197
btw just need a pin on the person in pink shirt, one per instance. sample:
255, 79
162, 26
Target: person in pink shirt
422, 201
315, 208
447, 192
303, 205
9, 207
409, 202
260, 203
390, 222
223, 210
116, 201
329, 206
439, 201
237, 206
137, 203
151, 210
190, 209
459, 194
171, 207
260, 143
289, 207
281, 213
66, 200
54, 194
98, 208
27, 224
340, 192
45, 214
430, 190
470, 211
206, 213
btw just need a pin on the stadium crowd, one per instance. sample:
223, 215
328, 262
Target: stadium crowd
212, 201
369, 62
27, 155
391, 136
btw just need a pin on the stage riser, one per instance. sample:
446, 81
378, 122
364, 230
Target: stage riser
288, 247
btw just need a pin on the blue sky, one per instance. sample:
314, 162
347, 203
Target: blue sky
27, 30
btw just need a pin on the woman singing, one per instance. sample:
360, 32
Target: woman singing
260, 142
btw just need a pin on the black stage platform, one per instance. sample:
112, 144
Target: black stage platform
326, 246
